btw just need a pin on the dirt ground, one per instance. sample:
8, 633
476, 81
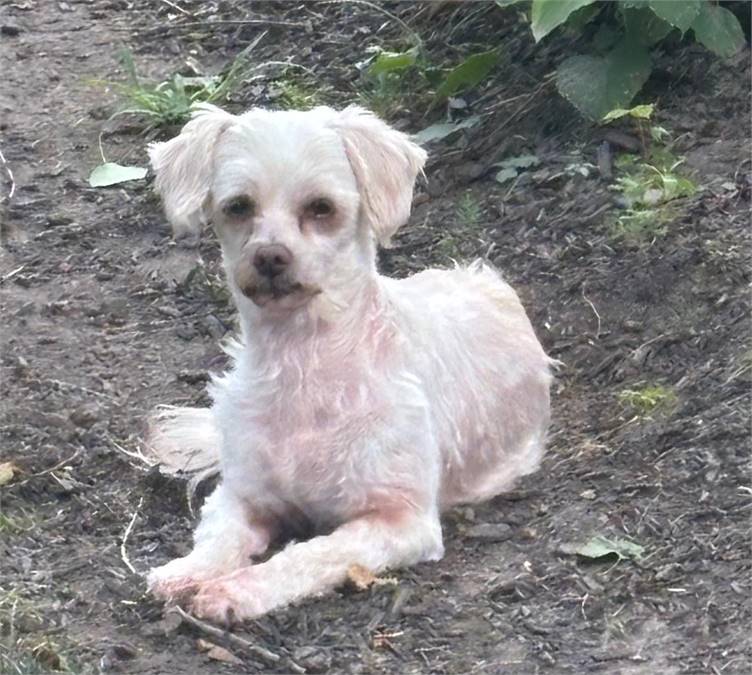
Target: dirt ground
104, 317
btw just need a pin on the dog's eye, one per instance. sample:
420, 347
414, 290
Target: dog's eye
238, 207
320, 208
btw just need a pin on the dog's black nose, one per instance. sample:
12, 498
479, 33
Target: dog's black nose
272, 259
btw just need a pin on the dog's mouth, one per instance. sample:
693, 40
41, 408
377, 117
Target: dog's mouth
279, 293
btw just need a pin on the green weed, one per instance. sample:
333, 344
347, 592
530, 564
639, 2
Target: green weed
647, 187
292, 93
648, 399
170, 102
14, 524
468, 210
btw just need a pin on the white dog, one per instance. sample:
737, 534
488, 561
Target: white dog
358, 405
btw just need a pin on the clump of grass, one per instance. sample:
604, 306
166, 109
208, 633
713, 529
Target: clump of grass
205, 282
648, 399
641, 224
170, 102
14, 524
647, 187
293, 93
468, 210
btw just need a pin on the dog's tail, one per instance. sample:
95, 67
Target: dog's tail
184, 442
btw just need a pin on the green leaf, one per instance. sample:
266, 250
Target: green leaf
719, 30
506, 175
644, 26
629, 67
640, 112
507, 3
112, 174
521, 162
388, 62
600, 547
680, 14
582, 81
438, 131
548, 14
596, 85
468, 74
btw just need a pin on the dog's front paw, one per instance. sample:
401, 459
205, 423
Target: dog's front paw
232, 598
178, 579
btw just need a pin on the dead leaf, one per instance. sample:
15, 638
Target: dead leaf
362, 578
216, 652
7, 471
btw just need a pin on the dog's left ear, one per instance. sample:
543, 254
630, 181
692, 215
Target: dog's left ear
385, 163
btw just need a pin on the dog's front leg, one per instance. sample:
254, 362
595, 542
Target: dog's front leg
224, 540
376, 542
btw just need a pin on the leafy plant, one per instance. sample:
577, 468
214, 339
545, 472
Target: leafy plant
648, 183
469, 210
169, 102
648, 399
392, 76
293, 93
620, 63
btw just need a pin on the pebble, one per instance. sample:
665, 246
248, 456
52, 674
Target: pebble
215, 327
58, 219
313, 659
84, 416
489, 532
10, 30
114, 307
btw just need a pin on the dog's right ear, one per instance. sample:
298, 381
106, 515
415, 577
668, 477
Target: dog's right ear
183, 168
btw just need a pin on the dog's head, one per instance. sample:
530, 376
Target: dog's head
296, 198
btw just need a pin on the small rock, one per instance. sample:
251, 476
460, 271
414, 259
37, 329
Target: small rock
49, 420
10, 30
186, 333
313, 659
215, 327
58, 219
85, 416
114, 307
169, 624
166, 310
588, 494
489, 532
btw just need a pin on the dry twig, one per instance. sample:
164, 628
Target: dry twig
265, 654
126, 534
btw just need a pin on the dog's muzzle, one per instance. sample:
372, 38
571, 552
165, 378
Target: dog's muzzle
269, 280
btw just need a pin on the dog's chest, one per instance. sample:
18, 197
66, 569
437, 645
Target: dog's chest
317, 447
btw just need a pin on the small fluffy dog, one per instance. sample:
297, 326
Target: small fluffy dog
358, 405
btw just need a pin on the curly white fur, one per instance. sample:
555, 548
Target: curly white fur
357, 404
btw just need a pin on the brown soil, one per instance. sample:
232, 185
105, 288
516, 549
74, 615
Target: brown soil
102, 320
